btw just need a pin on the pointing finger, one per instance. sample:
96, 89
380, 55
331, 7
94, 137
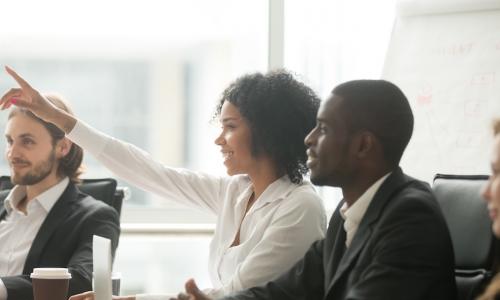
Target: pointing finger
22, 83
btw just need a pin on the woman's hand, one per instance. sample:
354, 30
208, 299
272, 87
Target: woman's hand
192, 292
27, 97
91, 296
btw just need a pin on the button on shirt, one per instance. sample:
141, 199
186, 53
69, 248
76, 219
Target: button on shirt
354, 214
18, 230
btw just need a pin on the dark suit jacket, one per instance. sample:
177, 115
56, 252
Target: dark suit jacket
402, 250
65, 240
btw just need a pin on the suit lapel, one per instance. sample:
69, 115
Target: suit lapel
3, 211
55, 216
336, 230
392, 184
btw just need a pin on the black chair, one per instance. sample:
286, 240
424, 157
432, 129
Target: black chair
103, 189
470, 227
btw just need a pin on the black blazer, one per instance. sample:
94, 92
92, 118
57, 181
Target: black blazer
65, 240
402, 250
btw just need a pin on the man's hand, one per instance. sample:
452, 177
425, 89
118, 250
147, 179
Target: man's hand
192, 292
91, 296
83, 296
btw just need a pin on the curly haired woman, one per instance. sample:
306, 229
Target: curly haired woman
267, 216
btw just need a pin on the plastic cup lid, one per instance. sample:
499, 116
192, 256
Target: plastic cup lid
50, 273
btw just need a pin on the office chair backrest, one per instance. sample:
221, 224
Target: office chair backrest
467, 217
103, 189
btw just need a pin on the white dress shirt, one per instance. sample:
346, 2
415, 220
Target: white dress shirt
354, 214
18, 230
275, 233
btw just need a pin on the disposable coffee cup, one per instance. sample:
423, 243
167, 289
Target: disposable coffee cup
50, 283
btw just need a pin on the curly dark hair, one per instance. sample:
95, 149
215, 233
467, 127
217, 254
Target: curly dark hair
280, 111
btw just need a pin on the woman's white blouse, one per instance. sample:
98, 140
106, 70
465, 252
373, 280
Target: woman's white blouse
276, 232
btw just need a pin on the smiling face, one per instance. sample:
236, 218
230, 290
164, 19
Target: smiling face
491, 191
235, 141
328, 144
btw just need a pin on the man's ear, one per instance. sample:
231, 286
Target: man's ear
63, 147
365, 143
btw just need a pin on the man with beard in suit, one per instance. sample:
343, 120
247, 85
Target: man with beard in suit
45, 221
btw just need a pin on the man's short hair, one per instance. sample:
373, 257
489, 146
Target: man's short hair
381, 108
71, 164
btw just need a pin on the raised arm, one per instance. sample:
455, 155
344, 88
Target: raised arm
28, 97
201, 191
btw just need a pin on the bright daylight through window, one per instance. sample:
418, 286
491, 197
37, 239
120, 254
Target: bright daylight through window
150, 72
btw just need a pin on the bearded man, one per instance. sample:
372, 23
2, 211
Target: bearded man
45, 221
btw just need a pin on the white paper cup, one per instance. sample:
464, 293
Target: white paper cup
50, 283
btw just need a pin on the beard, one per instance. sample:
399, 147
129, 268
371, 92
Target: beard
38, 172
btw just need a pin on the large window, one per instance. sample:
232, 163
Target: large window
148, 72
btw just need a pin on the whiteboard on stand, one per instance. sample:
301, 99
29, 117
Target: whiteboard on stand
445, 56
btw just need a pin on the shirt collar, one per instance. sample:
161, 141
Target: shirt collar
47, 199
279, 189
354, 214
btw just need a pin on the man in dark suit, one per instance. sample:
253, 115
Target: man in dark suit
45, 221
387, 239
